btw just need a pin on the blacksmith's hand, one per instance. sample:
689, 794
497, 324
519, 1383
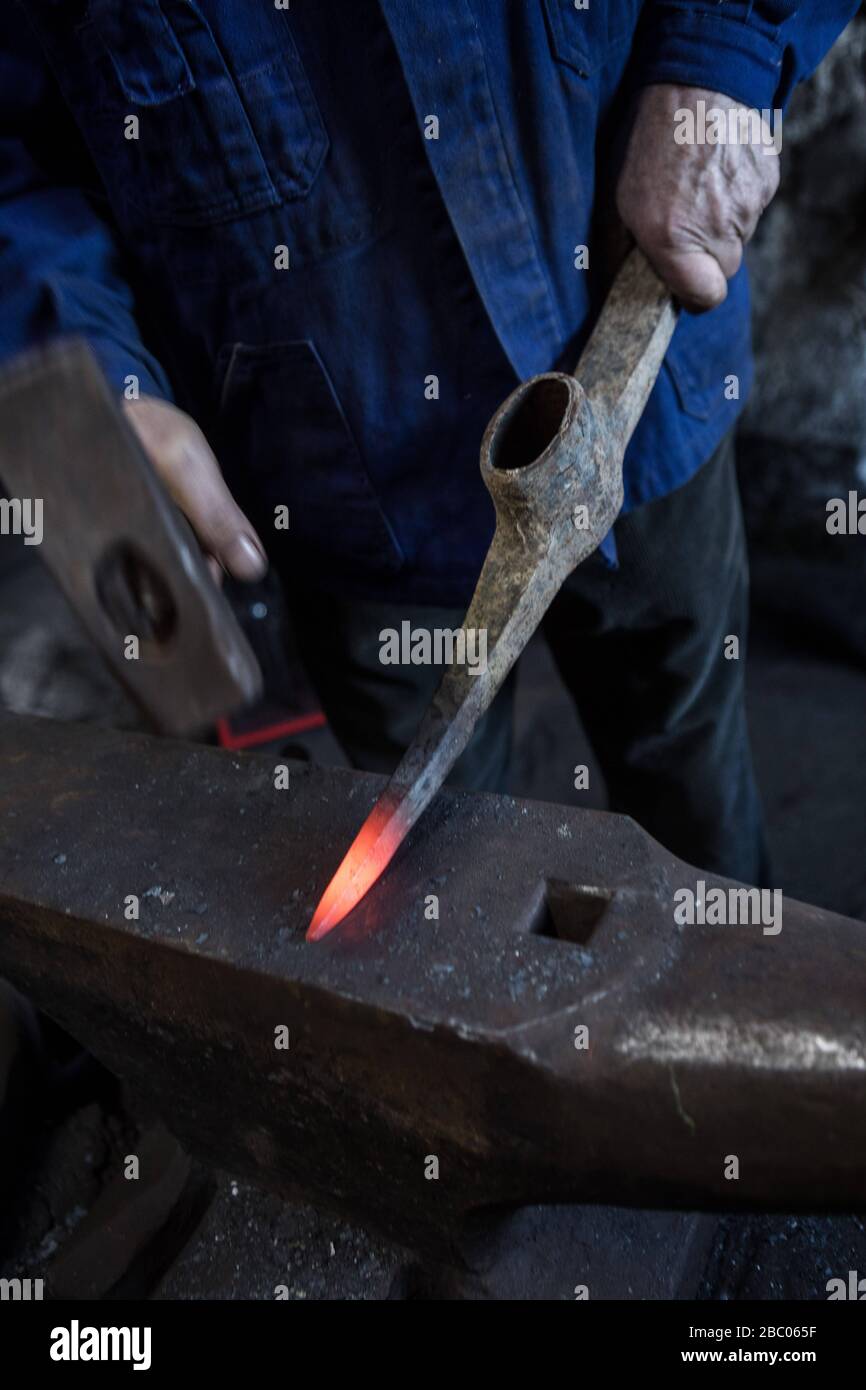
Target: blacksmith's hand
186, 464
691, 205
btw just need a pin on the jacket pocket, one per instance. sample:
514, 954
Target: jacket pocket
583, 38
706, 352
283, 435
182, 132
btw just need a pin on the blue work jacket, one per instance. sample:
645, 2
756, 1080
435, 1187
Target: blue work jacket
338, 232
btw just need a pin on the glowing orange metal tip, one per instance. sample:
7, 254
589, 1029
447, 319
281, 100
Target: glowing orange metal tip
371, 851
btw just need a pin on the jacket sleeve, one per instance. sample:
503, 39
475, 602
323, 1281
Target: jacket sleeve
754, 51
61, 269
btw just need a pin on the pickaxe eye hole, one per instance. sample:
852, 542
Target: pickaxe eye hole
134, 596
535, 420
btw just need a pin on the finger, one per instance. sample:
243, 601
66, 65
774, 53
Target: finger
216, 570
728, 254
187, 466
223, 530
694, 276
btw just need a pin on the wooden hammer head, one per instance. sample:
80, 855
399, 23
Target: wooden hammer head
119, 548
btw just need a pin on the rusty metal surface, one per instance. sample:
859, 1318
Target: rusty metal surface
120, 549
551, 459
412, 1037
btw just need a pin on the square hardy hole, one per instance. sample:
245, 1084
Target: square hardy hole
570, 911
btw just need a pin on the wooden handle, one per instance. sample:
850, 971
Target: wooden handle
620, 363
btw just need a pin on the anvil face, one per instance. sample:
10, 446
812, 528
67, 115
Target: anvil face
553, 1034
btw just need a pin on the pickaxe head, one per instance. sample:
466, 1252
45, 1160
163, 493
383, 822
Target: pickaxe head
551, 459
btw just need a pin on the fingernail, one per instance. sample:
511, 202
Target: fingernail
245, 560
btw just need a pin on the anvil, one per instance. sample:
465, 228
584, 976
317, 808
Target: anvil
537, 1021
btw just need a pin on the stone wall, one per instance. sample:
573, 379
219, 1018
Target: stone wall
803, 436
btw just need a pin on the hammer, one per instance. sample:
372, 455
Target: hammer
551, 459
117, 545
